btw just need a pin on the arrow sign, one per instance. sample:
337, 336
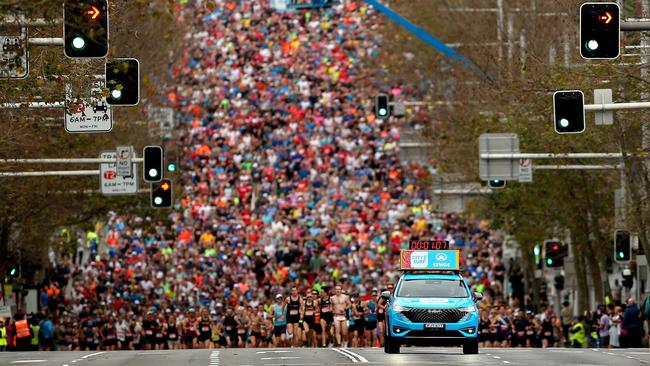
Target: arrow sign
93, 12
607, 17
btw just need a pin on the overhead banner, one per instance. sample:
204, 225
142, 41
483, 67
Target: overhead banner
429, 260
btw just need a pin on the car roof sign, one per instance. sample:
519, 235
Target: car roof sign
429, 260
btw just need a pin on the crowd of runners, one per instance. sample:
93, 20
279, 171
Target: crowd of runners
295, 202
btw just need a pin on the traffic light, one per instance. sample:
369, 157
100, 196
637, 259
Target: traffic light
600, 30
85, 28
153, 163
569, 111
172, 167
161, 194
13, 272
628, 278
497, 184
123, 81
559, 282
554, 254
622, 246
382, 106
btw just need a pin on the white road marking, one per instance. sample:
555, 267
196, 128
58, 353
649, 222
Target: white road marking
609, 353
263, 352
29, 361
506, 361
214, 358
496, 357
345, 354
637, 353
92, 354
279, 358
153, 353
361, 358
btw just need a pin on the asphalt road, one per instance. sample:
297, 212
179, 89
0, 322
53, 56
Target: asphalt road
334, 356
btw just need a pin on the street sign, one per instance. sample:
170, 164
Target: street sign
112, 184
498, 143
124, 165
525, 170
164, 117
603, 96
87, 114
13, 53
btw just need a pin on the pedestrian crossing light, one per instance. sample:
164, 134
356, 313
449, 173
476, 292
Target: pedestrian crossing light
569, 111
622, 246
600, 30
123, 81
161, 194
382, 109
497, 184
85, 28
153, 163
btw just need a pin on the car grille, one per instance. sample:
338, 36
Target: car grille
434, 315
435, 333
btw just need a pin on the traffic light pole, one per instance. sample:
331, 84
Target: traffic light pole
510, 156
616, 106
60, 173
45, 41
635, 26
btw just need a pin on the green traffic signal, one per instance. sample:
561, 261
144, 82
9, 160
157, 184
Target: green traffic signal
549, 261
171, 167
13, 271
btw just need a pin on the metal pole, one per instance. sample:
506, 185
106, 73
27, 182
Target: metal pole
21, 21
506, 156
15, 105
616, 106
45, 41
462, 191
65, 173
577, 167
635, 26
65, 161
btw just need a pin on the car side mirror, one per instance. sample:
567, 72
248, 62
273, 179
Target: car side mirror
478, 296
385, 295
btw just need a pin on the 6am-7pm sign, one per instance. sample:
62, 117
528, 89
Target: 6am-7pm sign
112, 184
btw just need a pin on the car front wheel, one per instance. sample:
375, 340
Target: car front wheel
470, 347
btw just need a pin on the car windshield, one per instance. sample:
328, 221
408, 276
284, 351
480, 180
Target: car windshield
432, 288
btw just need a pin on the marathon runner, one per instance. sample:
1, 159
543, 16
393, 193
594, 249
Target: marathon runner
256, 321
109, 335
230, 328
358, 317
294, 305
371, 319
326, 317
172, 333
311, 318
341, 304
279, 312
242, 327
381, 316
205, 331
188, 327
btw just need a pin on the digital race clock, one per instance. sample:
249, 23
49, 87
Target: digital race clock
428, 245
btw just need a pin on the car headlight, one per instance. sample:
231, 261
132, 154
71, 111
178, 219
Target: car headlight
469, 309
399, 308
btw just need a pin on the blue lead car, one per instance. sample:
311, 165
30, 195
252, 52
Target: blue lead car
432, 304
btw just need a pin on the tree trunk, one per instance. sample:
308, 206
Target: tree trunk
581, 274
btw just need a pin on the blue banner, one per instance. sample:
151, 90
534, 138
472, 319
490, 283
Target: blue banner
429, 39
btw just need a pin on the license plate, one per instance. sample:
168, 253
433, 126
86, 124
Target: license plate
434, 326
